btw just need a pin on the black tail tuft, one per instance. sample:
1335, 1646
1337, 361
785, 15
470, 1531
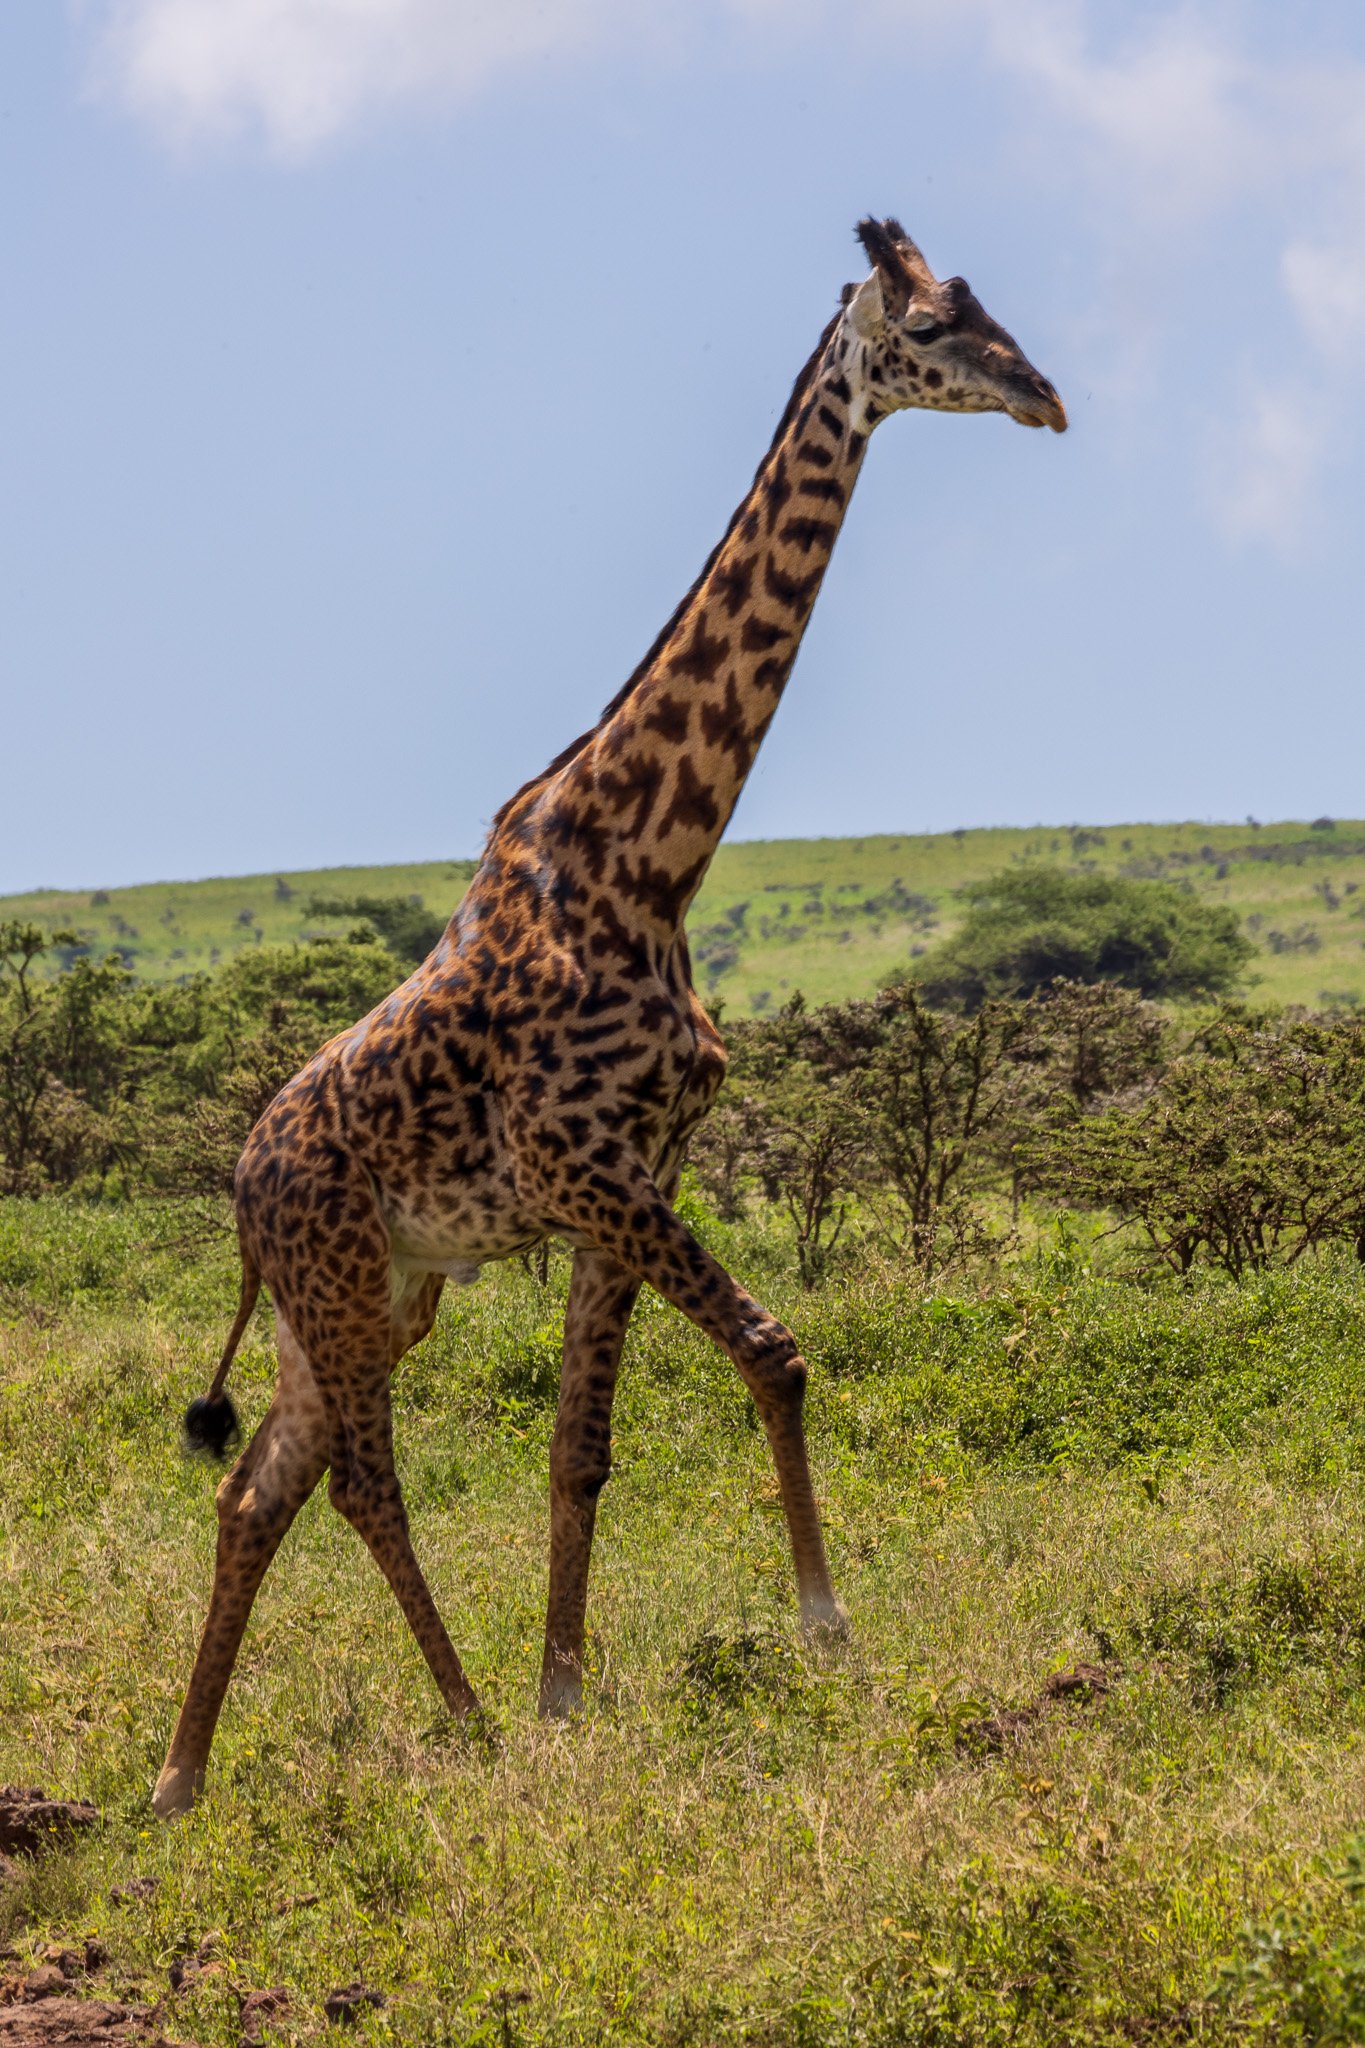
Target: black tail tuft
211, 1426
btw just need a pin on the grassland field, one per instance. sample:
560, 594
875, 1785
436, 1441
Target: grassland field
912, 1840
744, 1838
828, 917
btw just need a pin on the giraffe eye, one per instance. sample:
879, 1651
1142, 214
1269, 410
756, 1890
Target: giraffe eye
929, 333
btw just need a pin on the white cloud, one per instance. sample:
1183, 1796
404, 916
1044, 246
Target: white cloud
1266, 462
1167, 112
1183, 128
1179, 108
1279, 445
1326, 286
301, 73
1161, 133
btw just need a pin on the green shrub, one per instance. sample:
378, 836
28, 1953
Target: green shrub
1296, 1976
1226, 1635
1028, 927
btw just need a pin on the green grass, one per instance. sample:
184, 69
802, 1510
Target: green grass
830, 917
742, 1839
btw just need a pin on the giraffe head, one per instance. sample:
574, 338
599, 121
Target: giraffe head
916, 341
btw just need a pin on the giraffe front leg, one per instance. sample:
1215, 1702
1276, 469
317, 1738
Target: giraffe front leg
631, 1221
601, 1296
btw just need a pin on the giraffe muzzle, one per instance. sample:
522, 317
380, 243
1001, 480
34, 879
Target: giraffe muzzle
1033, 402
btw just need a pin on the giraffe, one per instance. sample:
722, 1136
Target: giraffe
540, 1073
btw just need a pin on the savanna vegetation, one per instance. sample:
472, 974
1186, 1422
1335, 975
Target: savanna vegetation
829, 917
1077, 1270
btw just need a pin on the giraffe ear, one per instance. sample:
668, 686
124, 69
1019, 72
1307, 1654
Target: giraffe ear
866, 308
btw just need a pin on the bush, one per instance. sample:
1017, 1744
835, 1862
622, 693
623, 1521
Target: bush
107, 1086
405, 927
1226, 1635
65, 1067
1028, 927
911, 1113
1249, 1151
271, 1009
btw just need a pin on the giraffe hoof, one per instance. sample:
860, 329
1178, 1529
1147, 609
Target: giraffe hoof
176, 1791
561, 1699
827, 1623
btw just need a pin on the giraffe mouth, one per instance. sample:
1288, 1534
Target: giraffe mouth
1038, 405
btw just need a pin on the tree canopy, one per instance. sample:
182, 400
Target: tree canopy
405, 925
1031, 926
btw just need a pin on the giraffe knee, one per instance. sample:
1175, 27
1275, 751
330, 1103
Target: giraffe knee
229, 1495
278, 1469
590, 1477
238, 1494
580, 1467
772, 1367
339, 1491
250, 1507
370, 1501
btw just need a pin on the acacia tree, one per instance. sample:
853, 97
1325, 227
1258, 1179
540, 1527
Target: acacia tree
1249, 1152
103, 1080
809, 1148
405, 925
1090, 1041
933, 1090
1088, 1046
270, 1009
795, 1129
64, 1062
1028, 927
884, 1102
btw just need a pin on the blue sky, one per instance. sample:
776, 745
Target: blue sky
377, 373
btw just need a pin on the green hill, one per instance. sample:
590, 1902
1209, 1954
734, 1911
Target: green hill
827, 916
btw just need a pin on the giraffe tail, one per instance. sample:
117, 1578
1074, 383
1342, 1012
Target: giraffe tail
211, 1422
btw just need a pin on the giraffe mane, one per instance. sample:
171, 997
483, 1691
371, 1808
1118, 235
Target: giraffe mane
671, 626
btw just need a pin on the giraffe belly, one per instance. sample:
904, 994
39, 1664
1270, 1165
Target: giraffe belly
452, 1215
459, 1244
461, 1272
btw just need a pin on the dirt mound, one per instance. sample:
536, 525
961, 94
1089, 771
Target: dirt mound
30, 1821
56, 2020
345, 2005
1007, 1727
40, 2008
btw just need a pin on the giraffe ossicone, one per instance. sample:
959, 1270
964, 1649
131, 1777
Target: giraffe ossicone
540, 1073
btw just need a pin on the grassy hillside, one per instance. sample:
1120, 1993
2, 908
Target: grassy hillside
827, 916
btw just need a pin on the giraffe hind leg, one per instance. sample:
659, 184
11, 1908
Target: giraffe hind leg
364, 1489
303, 1431
256, 1504
354, 1342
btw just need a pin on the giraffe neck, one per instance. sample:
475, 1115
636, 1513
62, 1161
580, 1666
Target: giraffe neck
639, 805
